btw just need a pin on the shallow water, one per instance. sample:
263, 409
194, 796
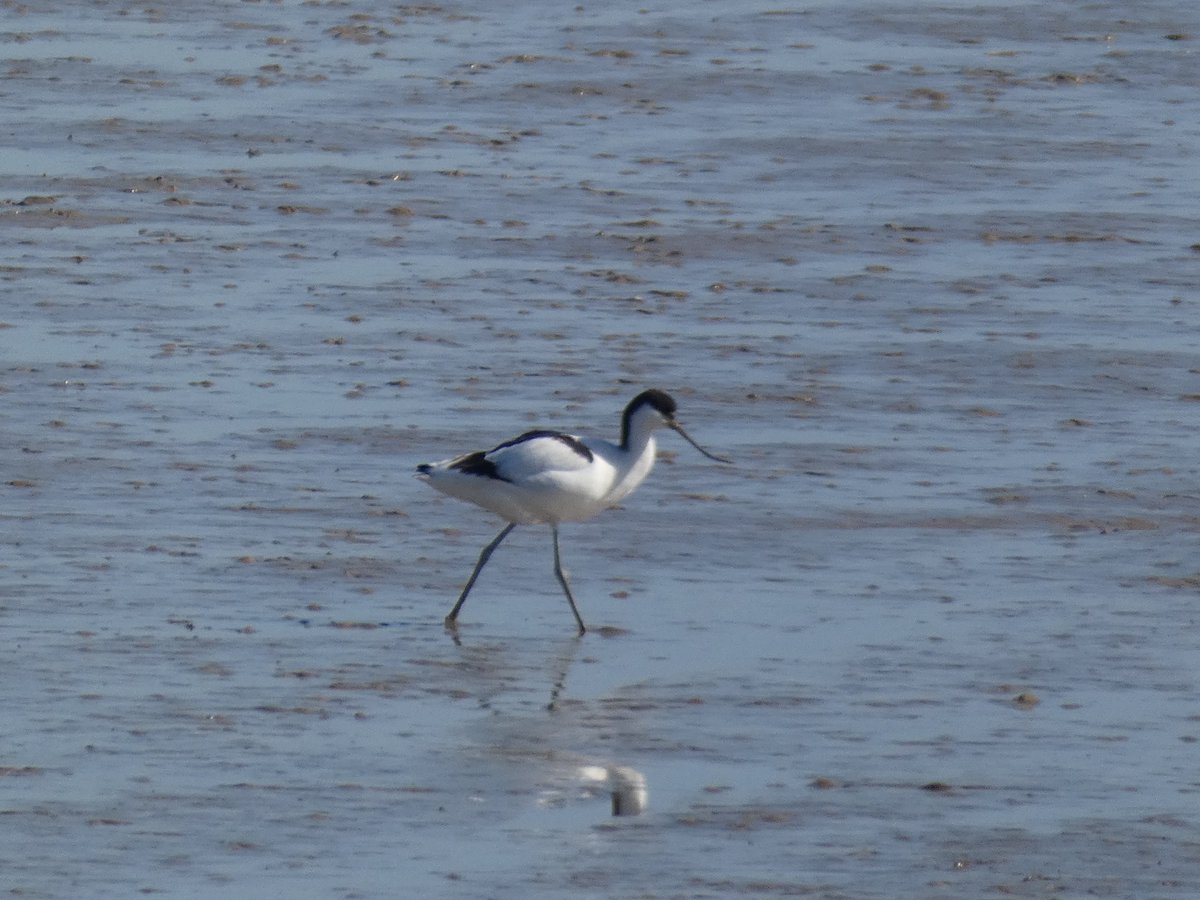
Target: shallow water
926, 270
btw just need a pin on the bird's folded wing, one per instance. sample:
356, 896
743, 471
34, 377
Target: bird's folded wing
539, 453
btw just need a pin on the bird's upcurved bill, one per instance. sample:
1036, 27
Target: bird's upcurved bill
676, 427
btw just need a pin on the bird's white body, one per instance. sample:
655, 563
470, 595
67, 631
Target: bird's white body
544, 478
548, 477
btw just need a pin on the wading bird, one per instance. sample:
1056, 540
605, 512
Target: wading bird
548, 477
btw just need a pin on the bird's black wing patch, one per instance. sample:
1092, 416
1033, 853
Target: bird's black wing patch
569, 439
477, 463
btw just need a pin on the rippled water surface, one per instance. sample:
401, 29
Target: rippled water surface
927, 270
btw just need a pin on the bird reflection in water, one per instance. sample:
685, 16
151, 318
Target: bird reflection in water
626, 786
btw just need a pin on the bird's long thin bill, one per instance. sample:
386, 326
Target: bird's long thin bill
683, 434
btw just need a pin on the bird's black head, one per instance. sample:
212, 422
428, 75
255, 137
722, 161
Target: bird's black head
659, 400
663, 404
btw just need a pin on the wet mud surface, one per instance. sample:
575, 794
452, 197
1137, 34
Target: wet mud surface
927, 271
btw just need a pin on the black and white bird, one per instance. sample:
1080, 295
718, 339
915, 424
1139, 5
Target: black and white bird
548, 477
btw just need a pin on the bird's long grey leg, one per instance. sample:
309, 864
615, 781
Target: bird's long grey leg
484, 556
562, 579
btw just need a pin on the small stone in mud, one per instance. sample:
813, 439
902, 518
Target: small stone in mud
610, 631
10, 771
1026, 700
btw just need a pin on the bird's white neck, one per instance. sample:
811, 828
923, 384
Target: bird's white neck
637, 430
636, 459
